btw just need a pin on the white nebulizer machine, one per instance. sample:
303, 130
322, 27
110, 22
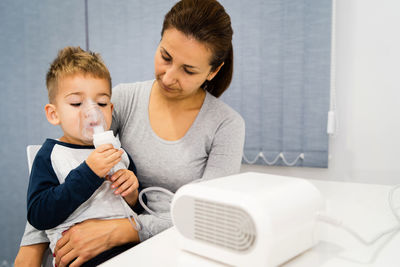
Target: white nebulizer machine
248, 219
93, 129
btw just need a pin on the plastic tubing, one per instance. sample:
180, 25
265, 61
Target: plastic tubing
154, 188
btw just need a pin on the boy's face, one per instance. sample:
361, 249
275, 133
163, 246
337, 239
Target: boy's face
68, 111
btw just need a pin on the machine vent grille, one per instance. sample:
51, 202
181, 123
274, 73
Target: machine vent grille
223, 225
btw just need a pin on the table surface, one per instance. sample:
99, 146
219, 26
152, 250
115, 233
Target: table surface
362, 207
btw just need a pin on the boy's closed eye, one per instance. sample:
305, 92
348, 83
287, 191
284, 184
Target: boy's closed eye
78, 104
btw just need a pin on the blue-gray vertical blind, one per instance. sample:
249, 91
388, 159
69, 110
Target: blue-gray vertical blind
281, 79
31, 33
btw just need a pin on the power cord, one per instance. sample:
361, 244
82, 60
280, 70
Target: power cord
338, 223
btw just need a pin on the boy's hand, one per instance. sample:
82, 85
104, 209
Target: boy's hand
103, 158
126, 184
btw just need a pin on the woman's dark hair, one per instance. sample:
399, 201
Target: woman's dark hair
207, 22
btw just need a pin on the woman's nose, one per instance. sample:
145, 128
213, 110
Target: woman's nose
170, 76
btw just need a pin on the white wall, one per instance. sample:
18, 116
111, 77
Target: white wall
366, 147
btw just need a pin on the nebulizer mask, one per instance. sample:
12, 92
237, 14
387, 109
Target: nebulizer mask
93, 129
94, 125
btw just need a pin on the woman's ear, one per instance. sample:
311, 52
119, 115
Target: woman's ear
51, 114
212, 74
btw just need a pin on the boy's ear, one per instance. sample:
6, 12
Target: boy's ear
51, 114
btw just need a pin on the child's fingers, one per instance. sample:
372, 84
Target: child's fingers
104, 147
112, 153
113, 156
125, 188
118, 181
113, 163
116, 175
128, 191
125, 181
120, 177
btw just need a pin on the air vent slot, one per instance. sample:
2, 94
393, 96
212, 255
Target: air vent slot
223, 225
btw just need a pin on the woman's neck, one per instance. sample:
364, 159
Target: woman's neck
171, 118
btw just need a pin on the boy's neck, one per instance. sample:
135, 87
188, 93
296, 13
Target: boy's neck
74, 141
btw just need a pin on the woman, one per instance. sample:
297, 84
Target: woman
175, 128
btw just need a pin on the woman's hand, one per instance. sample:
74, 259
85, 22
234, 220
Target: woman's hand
125, 184
88, 239
103, 158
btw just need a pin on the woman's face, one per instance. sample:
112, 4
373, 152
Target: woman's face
181, 65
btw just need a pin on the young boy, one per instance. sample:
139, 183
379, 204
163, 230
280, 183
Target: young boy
67, 183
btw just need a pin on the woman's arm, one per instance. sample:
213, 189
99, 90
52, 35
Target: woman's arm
227, 149
88, 239
30, 256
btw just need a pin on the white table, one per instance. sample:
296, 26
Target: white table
363, 207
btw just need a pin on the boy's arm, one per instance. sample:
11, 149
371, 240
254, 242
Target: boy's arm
49, 202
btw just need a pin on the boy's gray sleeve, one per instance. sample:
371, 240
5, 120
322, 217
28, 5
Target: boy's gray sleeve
33, 236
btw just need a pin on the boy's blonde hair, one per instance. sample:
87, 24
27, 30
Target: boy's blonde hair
72, 61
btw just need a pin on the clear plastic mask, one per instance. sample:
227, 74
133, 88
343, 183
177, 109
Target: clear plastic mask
93, 120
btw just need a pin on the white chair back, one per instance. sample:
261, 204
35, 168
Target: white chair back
31, 152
